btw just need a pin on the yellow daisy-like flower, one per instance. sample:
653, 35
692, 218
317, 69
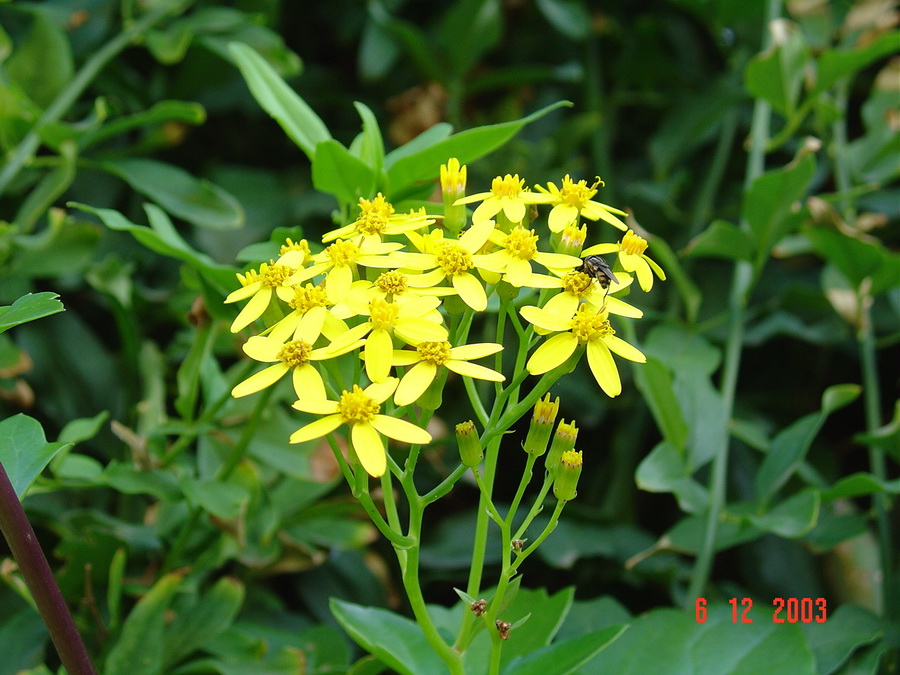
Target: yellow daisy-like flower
518, 249
310, 303
259, 287
588, 328
413, 322
360, 409
454, 260
294, 356
574, 199
631, 257
508, 194
578, 286
429, 356
294, 254
339, 260
377, 219
392, 285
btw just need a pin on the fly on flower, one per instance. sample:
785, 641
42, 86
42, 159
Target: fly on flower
597, 268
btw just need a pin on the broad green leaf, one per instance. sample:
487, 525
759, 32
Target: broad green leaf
469, 29
178, 192
466, 146
566, 656
395, 640
220, 499
426, 139
29, 308
203, 620
23, 638
776, 75
24, 450
793, 517
569, 17
664, 470
141, 645
84, 429
858, 484
371, 144
721, 240
835, 64
856, 259
273, 94
157, 482
845, 630
415, 43
789, 447
655, 383
688, 534
770, 199
42, 64
185, 112
339, 173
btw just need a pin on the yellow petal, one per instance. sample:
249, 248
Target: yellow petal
517, 272
400, 430
252, 310
475, 351
600, 249
552, 353
308, 383
513, 208
243, 292
616, 306
470, 290
310, 326
316, 406
379, 350
316, 429
348, 338
426, 280
263, 349
489, 208
656, 268
338, 282
414, 331
474, 370
414, 383
381, 391
476, 236
369, 448
604, 368
560, 216
264, 378
623, 349
644, 275
404, 357
557, 261
541, 318
560, 305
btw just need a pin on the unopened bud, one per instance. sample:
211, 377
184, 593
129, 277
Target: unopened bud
453, 187
541, 426
470, 450
567, 474
563, 440
571, 241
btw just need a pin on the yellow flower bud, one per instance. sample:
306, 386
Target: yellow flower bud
542, 421
470, 450
563, 440
567, 475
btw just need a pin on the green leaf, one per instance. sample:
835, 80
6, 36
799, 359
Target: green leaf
220, 499
856, 259
395, 640
157, 482
42, 64
22, 640
469, 29
770, 199
655, 383
466, 146
835, 64
664, 470
569, 17
371, 144
24, 450
846, 629
776, 75
185, 112
178, 192
419, 50
789, 447
793, 517
565, 656
29, 308
203, 620
273, 94
50, 188
84, 429
141, 645
721, 240
858, 484
337, 172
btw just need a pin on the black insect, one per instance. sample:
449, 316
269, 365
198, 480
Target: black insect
596, 268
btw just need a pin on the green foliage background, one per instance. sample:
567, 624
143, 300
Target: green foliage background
158, 500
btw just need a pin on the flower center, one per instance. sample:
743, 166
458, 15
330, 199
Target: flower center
454, 259
577, 283
371, 222
577, 194
356, 406
379, 205
587, 326
633, 244
273, 275
295, 353
391, 282
343, 252
290, 245
383, 313
434, 352
307, 297
508, 186
521, 243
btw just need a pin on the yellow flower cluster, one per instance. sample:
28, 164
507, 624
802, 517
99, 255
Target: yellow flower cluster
378, 284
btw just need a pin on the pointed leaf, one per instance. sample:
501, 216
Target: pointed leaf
28, 308
24, 451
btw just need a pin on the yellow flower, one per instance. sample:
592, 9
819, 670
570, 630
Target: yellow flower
413, 322
578, 286
453, 178
310, 303
429, 356
392, 285
376, 219
293, 254
454, 260
293, 356
339, 261
360, 409
508, 194
518, 249
631, 257
586, 327
259, 286
574, 199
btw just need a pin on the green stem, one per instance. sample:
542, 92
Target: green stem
39, 578
61, 104
551, 525
536, 507
526, 479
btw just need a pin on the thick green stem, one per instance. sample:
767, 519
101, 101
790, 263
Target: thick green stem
40, 580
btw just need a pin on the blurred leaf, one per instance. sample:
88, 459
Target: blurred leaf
887, 437
858, 484
466, 146
789, 447
24, 450
178, 192
84, 429
169, 45
846, 630
339, 173
29, 308
655, 383
569, 17
395, 640
469, 29
835, 64
664, 470
185, 112
42, 64
157, 482
22, 641
589, 615
721, 240
203, 620
140, 648
377, 54
371, 144
776, 75
857, 259
224, 500
417, 46
565, 656
793, 517
297, 119
52, 186
770, 199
